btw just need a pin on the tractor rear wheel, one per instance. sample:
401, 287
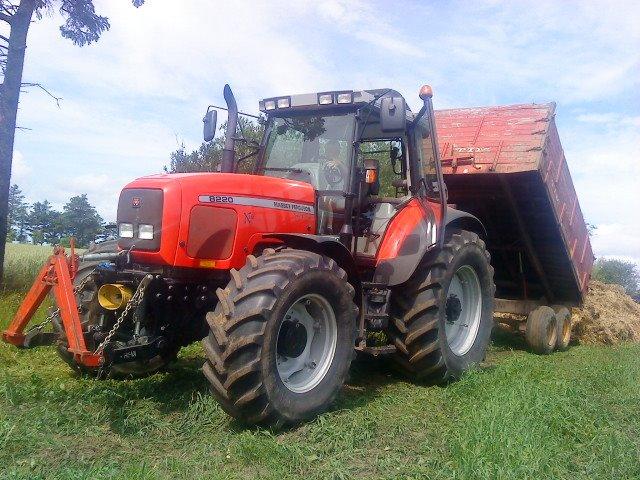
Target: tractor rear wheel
89, 315
282, 337
443, 316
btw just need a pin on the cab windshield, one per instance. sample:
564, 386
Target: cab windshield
310, 148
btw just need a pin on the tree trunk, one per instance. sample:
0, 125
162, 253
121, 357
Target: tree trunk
9, 95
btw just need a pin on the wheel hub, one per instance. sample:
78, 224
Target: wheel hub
453, 308
306, 343
463, 310
292, 339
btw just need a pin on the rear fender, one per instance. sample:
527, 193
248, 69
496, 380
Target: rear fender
412, 233
418, 247
457, 219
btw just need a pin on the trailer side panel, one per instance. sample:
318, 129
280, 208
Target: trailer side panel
506, 165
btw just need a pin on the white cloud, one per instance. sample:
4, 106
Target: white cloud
367, 23
20, 170
102, 192
619, 240
610, 118
168, 52
571, 51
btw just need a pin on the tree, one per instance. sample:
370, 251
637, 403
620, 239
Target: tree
80, 220
625, 274
44, 223
208, 156
18, 212
82, 26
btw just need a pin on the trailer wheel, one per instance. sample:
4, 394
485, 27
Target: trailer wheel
563, 326
443, 316
542, 330
281, 337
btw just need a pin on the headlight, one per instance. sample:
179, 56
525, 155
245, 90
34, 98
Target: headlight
345, 97
325, 98
145, 232
284, 102
125, 230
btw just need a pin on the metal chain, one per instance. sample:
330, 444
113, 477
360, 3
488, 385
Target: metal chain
46, 321
133, 302
76, 290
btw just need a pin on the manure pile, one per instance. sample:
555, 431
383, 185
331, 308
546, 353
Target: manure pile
608, 316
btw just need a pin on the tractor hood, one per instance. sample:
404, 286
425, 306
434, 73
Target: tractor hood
209, 220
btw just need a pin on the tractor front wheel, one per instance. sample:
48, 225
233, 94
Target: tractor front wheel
282, 337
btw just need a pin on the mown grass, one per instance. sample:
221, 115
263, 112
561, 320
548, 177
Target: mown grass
568, 415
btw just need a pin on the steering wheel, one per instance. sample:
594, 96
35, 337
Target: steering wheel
333, 172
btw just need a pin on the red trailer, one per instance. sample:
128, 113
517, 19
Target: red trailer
506, 165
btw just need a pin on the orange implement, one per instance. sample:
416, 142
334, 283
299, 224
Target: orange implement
56, 274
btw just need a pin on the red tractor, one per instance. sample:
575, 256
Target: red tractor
340, 230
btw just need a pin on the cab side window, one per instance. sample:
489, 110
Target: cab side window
427, 160
390, 155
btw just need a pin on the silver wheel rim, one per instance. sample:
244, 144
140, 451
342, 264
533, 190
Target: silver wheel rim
306, 343
463, 310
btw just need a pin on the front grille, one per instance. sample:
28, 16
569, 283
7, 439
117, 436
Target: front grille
141, 205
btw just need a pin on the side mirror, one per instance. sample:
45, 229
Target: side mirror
393, 114
209, 129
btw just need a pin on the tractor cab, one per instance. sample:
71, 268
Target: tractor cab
364, 154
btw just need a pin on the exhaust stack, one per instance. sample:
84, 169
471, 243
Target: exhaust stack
228, 153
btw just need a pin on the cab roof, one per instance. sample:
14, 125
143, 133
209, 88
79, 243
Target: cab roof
311, 101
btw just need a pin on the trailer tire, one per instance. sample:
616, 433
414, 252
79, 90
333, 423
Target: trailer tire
563, 326
542, 330
257, 327
424, 307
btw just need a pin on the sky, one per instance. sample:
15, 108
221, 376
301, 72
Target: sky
132, 98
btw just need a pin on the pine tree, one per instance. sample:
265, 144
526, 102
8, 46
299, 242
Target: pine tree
43, 223
18, 213
80, 220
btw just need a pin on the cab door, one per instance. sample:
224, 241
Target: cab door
416, 227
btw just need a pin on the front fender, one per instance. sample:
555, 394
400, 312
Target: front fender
326, 245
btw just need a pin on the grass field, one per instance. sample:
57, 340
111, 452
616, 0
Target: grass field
21, 263
568, 415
